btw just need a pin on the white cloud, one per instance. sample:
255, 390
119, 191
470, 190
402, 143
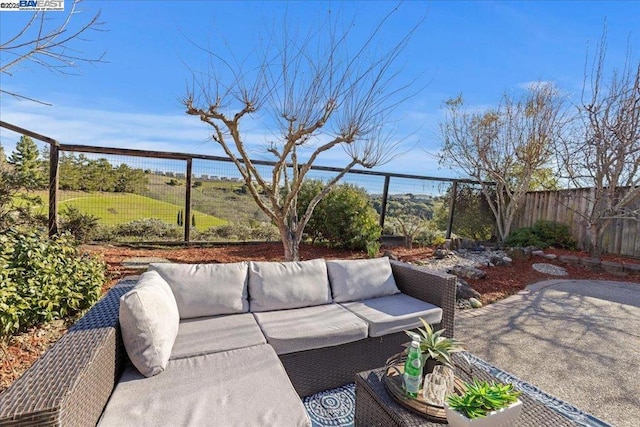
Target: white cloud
70, 124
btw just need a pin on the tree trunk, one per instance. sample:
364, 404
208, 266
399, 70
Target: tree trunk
594, 231
290, 243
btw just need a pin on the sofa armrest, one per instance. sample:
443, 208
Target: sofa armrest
71, 383
430, 286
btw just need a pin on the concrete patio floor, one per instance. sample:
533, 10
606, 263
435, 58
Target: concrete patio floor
578, 340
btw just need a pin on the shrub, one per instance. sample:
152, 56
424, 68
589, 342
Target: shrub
81, 226
542, 235
554, 233
253, 231
344, 218
524, 237
430, 237
44, 279
148, 228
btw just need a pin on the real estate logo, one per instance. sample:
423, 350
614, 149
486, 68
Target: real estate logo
32, 6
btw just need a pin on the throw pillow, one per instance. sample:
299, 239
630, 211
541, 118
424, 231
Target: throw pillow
284, 285
354, 280
149, 323
206, 289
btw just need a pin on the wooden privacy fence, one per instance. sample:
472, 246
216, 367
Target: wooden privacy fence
622, 236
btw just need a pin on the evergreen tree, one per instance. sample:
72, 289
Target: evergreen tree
3, 158
28, 170
193, 220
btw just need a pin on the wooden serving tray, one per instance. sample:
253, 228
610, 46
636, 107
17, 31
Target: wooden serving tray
394, 384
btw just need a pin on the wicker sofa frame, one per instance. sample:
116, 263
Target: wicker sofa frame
71, 383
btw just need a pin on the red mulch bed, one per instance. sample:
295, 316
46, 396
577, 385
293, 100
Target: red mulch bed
19, 352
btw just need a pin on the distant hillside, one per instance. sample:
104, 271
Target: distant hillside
222, 199
118, 208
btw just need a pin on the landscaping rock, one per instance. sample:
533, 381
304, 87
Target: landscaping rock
463, 304
517, 253
590, 263
631, 268
467, 272
537, 253
507, 260
612, 267
551, 269
569, 259
475, 303
551, 256
440, 254
496, 260
465, 291
391, 255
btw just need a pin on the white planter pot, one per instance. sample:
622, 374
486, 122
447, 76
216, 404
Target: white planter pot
503, 418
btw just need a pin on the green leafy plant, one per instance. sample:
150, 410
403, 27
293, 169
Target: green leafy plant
81, 225
542, 235
434, 345
44, 279
482, 397
343, 219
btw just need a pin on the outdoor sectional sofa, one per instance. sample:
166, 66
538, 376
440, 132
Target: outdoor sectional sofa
227, 344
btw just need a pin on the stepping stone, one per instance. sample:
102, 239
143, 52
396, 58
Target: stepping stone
141, 263
551, 269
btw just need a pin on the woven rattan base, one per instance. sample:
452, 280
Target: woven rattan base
375, 407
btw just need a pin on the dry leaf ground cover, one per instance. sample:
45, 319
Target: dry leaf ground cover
19, 352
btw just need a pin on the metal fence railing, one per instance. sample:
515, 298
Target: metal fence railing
188, 197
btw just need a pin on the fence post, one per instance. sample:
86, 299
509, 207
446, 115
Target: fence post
452, 208
187, 203
54, 152
383, 206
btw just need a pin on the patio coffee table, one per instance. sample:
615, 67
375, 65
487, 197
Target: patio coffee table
376, 407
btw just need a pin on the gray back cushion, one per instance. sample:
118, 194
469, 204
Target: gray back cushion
206, 289
149, 322
354, 280
284, 285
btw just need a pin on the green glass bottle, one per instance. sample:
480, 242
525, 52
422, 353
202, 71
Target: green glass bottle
413, 370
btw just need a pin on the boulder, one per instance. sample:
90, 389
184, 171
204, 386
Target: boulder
518, 254
467, 272
440, 253
465, 291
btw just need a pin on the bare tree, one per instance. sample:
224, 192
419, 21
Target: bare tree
318, 96
49, 43
505, 147
604, 151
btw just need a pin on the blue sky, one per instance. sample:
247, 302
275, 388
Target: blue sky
476, 48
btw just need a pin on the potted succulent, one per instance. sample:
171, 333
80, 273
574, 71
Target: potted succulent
483, 404
435, 348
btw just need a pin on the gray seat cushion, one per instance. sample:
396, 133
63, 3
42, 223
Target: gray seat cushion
206, 289
243, 387
300, 329
204, 335
284, 285
394, 313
